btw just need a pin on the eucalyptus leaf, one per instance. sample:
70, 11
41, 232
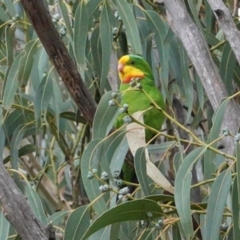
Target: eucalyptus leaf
209, 163
77, 223
104, 117
11, 84
42, 98
90, 160
160, 31
126, 13
235, 208
81, 27
216, 205
106, 42
182, 190
133, 210
36, 204
4, 227
146, 183
3, 15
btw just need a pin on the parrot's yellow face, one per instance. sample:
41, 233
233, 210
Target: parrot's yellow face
127, 69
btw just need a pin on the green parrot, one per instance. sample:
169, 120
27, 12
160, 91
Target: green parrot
135, 67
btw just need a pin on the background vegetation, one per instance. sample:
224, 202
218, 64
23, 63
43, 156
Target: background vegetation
67, 166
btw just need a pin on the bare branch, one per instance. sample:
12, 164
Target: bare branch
199, 54
227, 24
45, 186
57, 52
17, 210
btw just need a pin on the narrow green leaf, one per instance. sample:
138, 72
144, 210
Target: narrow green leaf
26, 62
146, 182
90, 160
106, 41
129, 21
40, 67
175, 232
227, 66
56, 103
174, 57
133, 210
110, 146
200, 91
3, 69
96, 51
65, 13
19, 133
209, 17
4, 227
81, 27
58, 217
160, 148
210, 38
14, 120
103, 233
238, 169
35, 204
186, 82
114, 231
2, 136
25, 150
146, 39
181, 230
159, 28
236, 208
10, 7
215, 123
104, 117
182, 190
70, 116
209, 157
93, 6
194, 11
127, 230
178, 159
15, 141
236, 75
3, 15
9, 36
42, 97
216, 204
77, 223
119, 152
11, 84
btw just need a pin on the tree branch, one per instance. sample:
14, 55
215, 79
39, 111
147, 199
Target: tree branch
17, 210
227, 24
198, 52
58, 54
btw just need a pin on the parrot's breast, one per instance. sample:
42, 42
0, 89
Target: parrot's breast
138, 101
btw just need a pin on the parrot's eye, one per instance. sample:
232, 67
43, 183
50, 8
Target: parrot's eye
132, 62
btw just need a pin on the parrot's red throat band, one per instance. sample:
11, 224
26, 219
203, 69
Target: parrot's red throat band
129, 78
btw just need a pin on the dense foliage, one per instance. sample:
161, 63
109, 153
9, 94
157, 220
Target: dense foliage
70, 171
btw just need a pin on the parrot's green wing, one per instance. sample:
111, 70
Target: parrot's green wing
137, 100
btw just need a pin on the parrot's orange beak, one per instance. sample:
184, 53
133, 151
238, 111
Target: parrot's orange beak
120, 67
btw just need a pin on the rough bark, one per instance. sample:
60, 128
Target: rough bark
58, 54
227, 24
17, 210
14, 204
198, 52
